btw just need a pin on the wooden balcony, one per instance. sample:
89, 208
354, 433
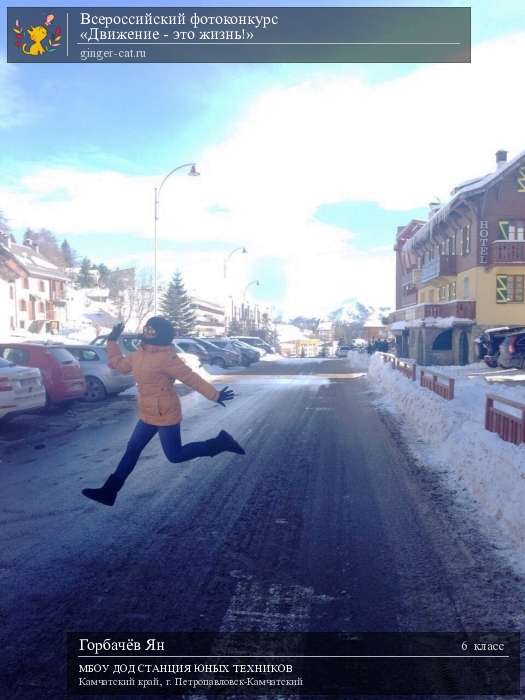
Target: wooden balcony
459, 309
440, 266
507, 253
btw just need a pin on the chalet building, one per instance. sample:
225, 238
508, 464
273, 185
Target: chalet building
209, 315
463, 270
36, 290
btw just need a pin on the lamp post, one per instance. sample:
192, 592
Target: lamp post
193, 172
255, 282
226, 260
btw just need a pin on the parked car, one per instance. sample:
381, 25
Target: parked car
249, 354
129, 342
61, 374
101, 380
193, 347
21, 389
218, 356
342, 351
489, 342
512, 351
256, 342
226, 344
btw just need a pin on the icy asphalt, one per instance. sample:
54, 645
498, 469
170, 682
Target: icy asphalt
327, 524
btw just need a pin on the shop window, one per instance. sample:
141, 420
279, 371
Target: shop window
466, 288
443, 341
509, 289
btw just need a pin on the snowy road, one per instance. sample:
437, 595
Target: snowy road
326, 524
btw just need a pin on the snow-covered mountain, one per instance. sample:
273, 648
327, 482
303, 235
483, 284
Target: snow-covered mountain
354, 311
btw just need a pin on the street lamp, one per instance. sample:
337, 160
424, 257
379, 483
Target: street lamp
192, 173
226, 260
255, 282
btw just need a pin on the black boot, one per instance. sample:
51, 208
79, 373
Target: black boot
107, 493
224, 442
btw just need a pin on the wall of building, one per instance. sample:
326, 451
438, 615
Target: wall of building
482, 287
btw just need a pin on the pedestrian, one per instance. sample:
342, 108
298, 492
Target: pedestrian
155, 366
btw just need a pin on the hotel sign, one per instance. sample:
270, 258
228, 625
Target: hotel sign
483, 242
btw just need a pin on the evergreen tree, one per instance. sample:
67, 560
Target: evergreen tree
47, 245
68, 254
85, 278
177, 307
104, 273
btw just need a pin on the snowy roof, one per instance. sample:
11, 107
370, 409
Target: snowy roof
34, 263
471, 187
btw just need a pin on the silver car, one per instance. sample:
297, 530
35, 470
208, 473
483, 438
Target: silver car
101, 380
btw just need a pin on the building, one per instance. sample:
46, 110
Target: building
210, 320
462, 270
36, 292
326, 331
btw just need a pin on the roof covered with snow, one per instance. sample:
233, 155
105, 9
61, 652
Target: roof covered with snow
34, 263
470, 188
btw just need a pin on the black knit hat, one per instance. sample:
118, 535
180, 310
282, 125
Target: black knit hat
164, 331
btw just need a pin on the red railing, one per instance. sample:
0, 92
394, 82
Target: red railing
440, 384
507, 252
508, 426
407, 368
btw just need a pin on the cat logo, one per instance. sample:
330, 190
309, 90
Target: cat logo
35, 41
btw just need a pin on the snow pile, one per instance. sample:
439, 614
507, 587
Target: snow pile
358, 360
450, 436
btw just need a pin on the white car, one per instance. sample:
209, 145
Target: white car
21, 389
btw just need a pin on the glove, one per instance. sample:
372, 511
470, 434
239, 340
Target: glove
116, 332
225, 395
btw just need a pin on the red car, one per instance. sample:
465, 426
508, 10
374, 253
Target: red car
61, 373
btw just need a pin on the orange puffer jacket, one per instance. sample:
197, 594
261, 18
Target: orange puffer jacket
154, 369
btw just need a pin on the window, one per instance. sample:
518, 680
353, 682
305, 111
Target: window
452, 290
41, 307
22, 324
23, 305
18, 356
511, 230
466, 236
509, 289
25, 282
466, 288
443, 341
459, 240
41, 286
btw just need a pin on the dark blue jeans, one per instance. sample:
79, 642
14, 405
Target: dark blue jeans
171, 443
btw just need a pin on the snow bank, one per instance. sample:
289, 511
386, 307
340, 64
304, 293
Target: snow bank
450, 436
358, 360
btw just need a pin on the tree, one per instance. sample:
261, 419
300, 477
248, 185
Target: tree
68, 254
235, 327
47, 245
177, 307
104, 273
85, 278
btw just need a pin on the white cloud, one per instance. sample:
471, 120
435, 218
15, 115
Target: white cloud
398, 143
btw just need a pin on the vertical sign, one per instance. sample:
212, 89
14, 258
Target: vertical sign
483, 242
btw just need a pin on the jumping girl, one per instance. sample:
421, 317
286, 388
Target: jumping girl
155, 366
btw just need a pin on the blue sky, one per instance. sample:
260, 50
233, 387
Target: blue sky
69, 134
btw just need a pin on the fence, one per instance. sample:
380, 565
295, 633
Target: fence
440, 384
508, 426
407, 368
